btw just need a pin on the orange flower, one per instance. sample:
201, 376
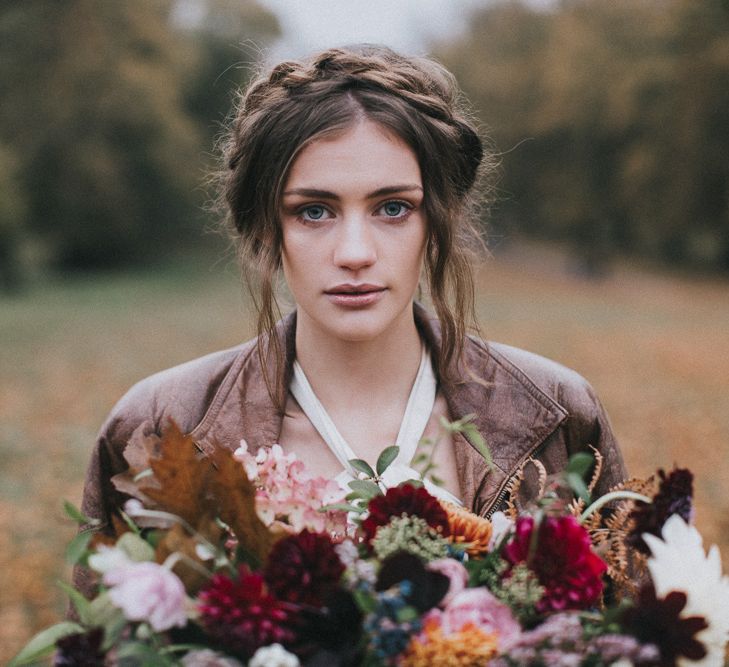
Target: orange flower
469, 647
468, 528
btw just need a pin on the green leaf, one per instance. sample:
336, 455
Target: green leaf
136, 547
79, 602
386, 457
44, 642
142, 655
365, 488
362, 466
78, 546
77, 515
466, 426
406, 614
578, 486
342, 507
580, 464
365, 601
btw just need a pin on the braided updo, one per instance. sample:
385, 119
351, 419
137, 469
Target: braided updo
300, 101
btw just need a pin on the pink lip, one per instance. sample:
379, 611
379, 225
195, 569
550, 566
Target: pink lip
355, 295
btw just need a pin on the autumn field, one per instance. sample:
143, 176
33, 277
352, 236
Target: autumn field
655, 346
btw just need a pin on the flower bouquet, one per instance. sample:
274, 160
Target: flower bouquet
245, 559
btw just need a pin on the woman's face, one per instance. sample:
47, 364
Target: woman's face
354, 233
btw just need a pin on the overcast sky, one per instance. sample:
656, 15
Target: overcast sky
405, 25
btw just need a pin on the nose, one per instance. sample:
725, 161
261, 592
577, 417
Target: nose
355, 245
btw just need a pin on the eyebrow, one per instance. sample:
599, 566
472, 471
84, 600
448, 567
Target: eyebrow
326, 194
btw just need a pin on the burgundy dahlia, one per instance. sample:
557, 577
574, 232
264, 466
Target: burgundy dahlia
406, 499
658, 621
562, 558
674, 497
242, 615
303, 568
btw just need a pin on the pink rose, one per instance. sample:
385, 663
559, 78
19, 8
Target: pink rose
456, 573
478, 606
148, 592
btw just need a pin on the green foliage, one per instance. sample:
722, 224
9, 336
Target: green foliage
386, 457
42, 644
576, 471
98, 110
612, 118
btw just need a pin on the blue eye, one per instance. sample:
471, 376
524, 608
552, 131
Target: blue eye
313, 212
394, 209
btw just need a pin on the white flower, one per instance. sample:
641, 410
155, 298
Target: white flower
274, 655
208, 658
680, 564
108, 558
500, 526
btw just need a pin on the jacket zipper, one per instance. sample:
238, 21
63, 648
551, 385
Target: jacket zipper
502, 494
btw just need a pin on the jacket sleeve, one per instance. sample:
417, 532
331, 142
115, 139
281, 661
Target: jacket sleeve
588, 426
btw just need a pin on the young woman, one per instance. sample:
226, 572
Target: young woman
353, 173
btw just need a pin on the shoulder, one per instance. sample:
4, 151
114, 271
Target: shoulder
564, 386
183, 393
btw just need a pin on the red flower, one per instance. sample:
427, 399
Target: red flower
409, 500
242, 615
563, 560
303, 568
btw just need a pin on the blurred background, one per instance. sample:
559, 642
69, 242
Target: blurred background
609, 233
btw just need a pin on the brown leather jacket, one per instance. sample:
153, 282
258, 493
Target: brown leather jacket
524, 406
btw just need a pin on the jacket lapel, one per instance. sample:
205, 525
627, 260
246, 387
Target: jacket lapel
512, 414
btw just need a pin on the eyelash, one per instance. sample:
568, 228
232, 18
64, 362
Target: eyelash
408, 208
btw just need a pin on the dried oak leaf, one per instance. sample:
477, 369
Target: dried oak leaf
180, 483
140, 449
196, 488
236, 505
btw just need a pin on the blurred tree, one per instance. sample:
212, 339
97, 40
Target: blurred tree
12, 211
614, 121
97, 106
230, 36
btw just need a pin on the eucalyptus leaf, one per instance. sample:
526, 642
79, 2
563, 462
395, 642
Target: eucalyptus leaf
578, 486
342, 507
362, 466
78, 546
580, 463
136, 547
140, 654
365, 488
79, 602
386, 457
43, 644
77, 515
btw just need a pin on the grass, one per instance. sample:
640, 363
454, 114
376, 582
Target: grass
655, 347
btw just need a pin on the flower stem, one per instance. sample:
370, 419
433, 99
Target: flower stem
614, 495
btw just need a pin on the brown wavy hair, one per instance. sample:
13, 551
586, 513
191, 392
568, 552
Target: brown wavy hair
298, 102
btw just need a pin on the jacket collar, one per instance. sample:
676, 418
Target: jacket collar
509, 410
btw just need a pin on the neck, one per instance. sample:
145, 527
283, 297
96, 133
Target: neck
360, 374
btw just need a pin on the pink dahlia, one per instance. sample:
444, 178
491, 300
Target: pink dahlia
303, 568
242, 615
563, 560
409, 500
